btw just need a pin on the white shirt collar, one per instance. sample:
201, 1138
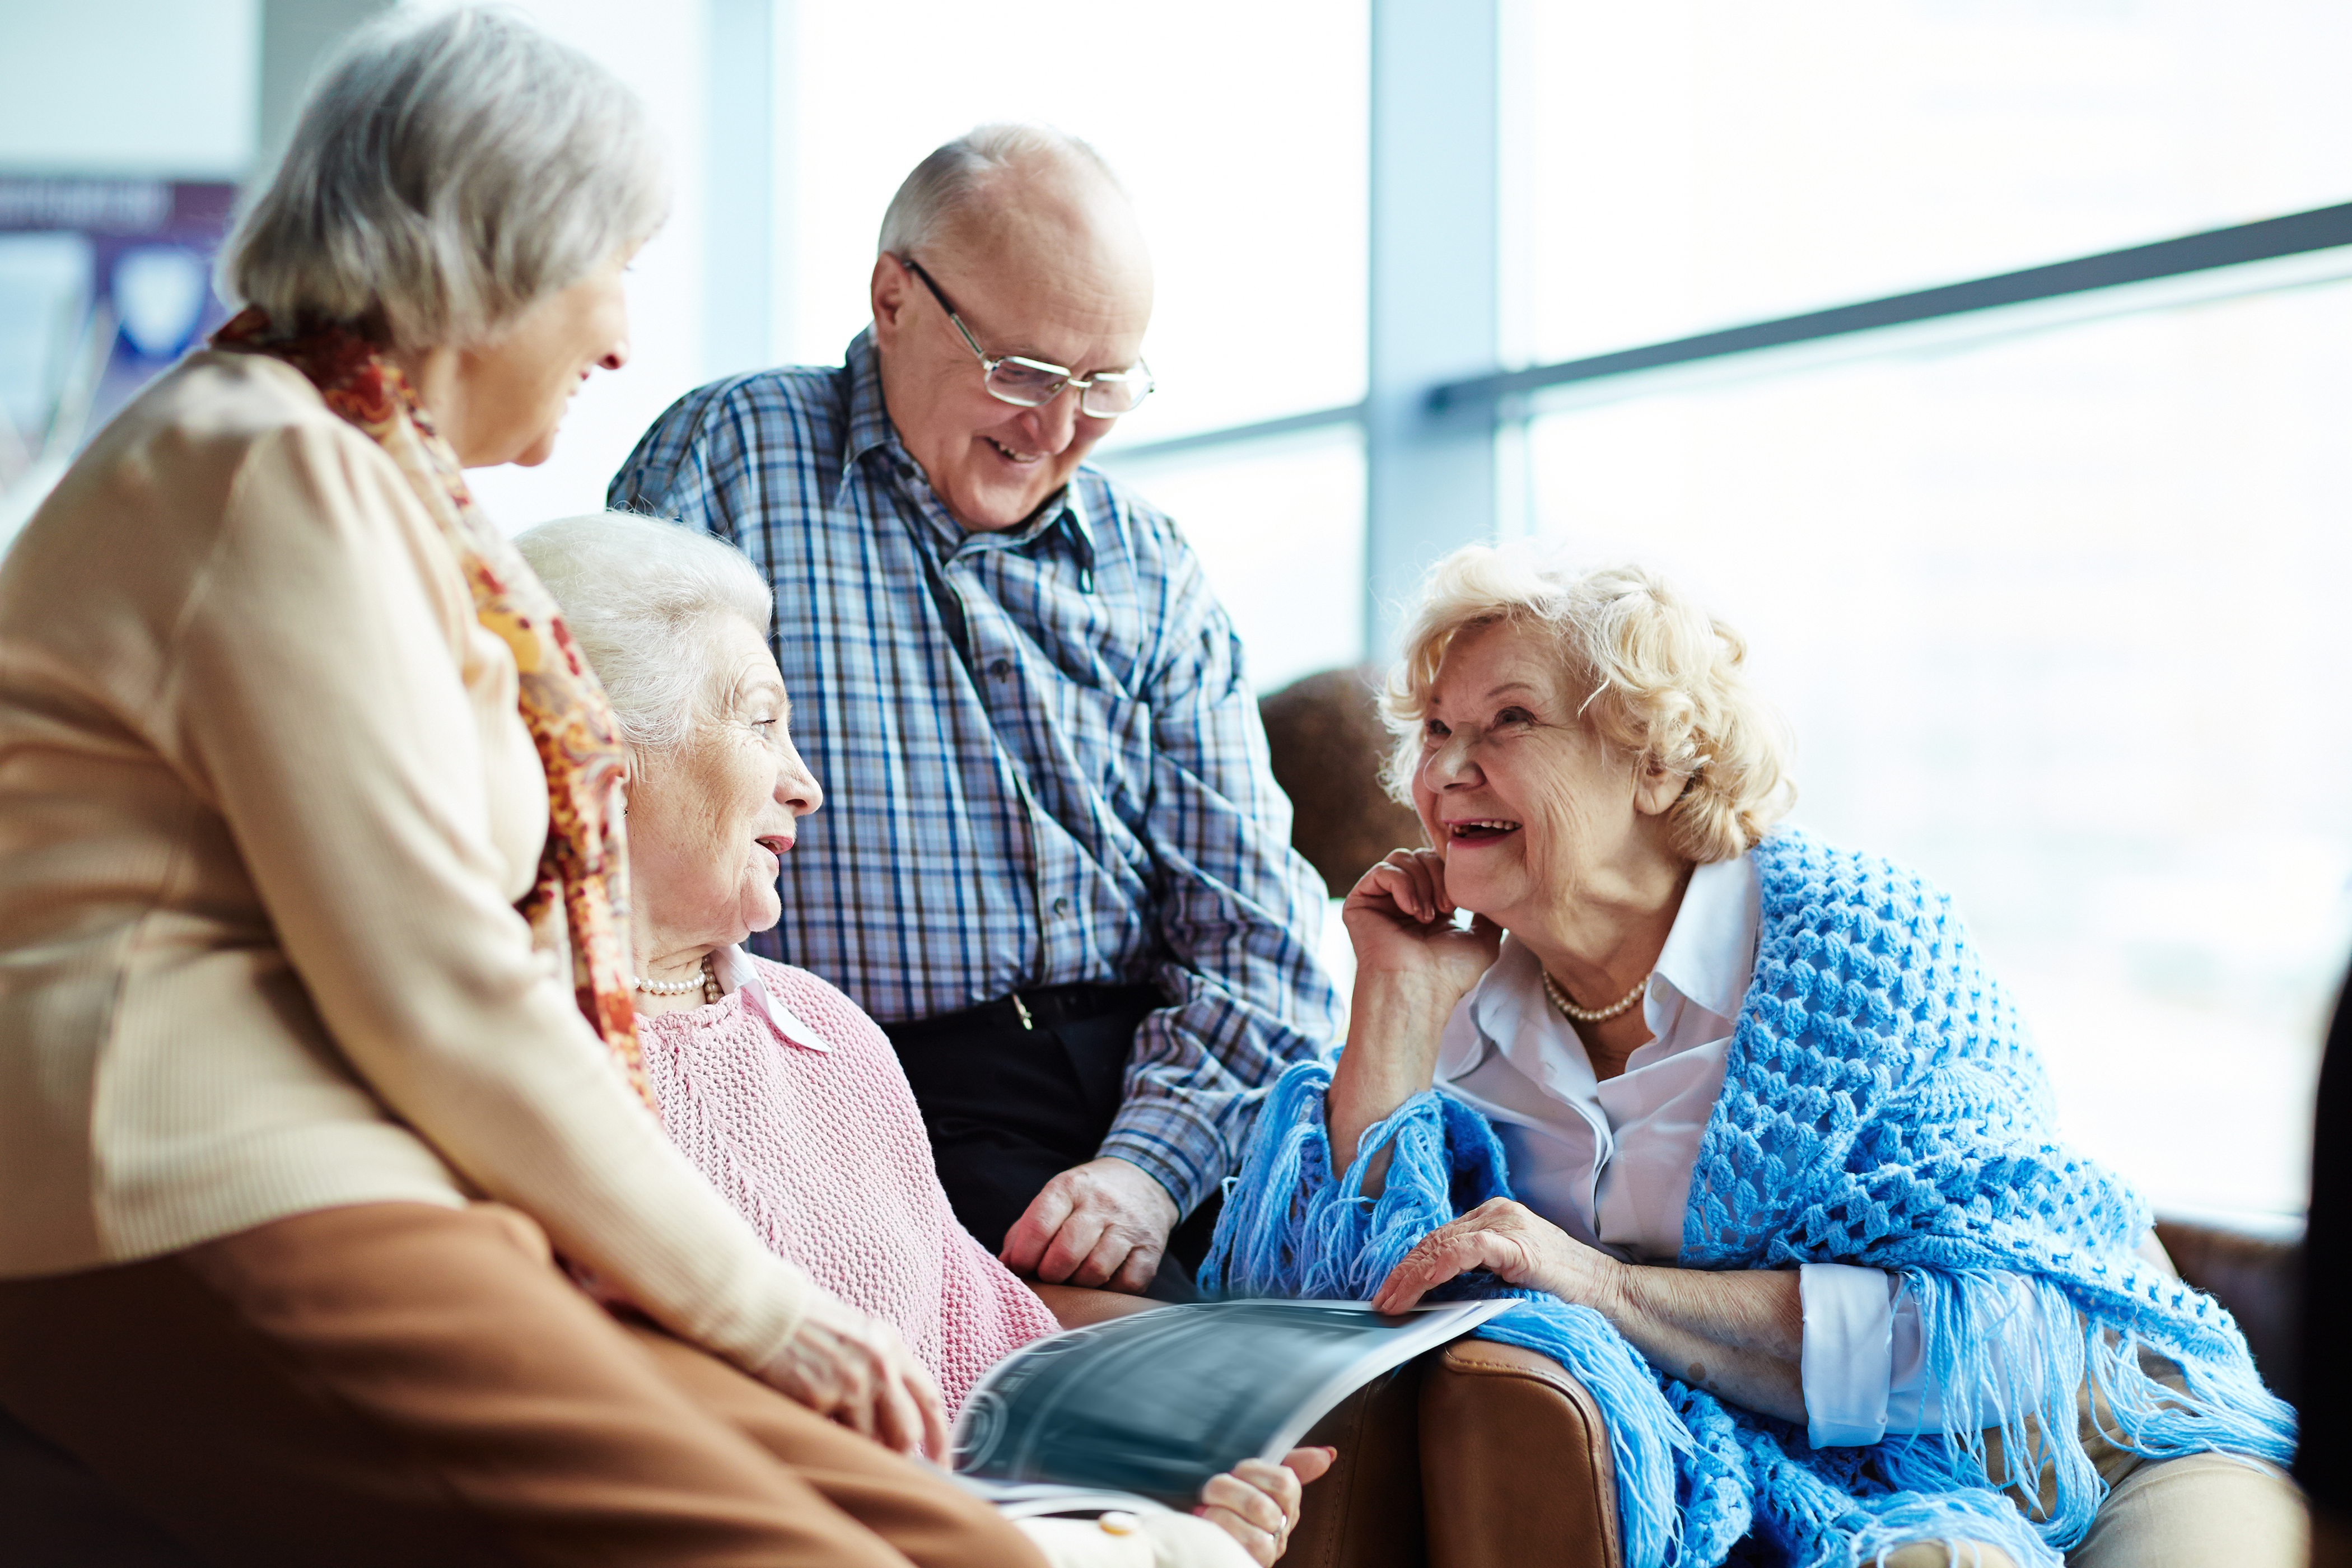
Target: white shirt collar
1708, 960
1710, 953
736, 972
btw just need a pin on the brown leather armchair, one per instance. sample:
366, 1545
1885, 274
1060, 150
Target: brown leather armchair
1478, 1455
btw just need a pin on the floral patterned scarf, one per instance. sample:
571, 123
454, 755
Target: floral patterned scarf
579, 903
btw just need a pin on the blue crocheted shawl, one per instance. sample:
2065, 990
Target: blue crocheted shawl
1883, 1105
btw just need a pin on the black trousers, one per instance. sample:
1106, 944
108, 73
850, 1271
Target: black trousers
1017, 1090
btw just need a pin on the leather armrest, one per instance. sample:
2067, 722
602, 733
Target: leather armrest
2259, 1278
1366, 1511
1515, 1463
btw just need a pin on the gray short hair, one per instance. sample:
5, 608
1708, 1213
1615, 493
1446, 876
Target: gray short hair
445, 174
954, 175
1662, 682
642, 596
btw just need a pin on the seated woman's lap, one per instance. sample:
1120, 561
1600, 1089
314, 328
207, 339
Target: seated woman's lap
404, 1384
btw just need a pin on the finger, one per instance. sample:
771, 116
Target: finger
1310, 1465
1264, 1546
1107, 1256
933, 1408
1393, 861
1406, 1284
1414, 878
903, 1410
1025, 1243
1393, 886
1422, 1269
1429, 888
1142, 1266
1278, 1485
1246, 1501
1081, 1230
894, 1416
1445, 1254
1436, 864
856, 1410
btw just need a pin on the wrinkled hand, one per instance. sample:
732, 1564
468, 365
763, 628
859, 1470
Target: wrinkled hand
1102, 1224
1401, 922
856, 1370
1511, 1242
1257, 1503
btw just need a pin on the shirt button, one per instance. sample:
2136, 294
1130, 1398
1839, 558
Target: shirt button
1061, 909
1001, 668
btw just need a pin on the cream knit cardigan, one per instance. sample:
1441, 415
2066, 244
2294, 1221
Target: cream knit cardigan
265, 802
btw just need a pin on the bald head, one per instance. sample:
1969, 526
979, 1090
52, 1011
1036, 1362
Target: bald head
1027, 235
970, 169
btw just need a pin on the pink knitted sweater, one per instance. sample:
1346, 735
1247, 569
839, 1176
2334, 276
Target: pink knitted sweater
790, 1101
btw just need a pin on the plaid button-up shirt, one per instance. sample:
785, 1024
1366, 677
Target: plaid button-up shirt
1041, 762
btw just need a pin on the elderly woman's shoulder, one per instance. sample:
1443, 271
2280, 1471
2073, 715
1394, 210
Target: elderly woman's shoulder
1798, 873
217, 437
211, 394
215, 415
1845, 932
817, 1002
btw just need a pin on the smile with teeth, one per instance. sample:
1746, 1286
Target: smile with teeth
1009, 454
775, 843
1481, 829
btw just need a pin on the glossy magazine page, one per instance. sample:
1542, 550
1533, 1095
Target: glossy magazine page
1155, 1403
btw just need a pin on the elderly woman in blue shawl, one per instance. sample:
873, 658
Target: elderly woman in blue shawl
1749, 1121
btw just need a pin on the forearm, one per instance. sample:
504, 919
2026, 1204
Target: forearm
1739, 1334
1392, 1036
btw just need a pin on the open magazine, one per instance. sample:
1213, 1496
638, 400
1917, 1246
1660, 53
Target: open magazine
1141, 1411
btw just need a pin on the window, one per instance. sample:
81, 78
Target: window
1279, 528
2058, 620
1688, 164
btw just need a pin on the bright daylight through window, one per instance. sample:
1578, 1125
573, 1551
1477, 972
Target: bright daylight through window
2055, 614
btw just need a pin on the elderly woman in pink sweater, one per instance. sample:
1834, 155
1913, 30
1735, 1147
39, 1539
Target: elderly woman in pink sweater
784, 1093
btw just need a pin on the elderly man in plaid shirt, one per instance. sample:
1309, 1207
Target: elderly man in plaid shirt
1054, 862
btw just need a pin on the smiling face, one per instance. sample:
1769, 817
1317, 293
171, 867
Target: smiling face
517, 388
1049, 266
709, 819
1531, 809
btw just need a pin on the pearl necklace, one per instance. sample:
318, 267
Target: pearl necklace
1591, 1014
677, 987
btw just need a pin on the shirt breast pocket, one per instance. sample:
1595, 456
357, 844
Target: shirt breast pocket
1105, 736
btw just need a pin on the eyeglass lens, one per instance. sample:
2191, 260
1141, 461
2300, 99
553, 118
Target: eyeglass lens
1027, 385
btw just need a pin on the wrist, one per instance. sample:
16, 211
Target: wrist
1616, 1287
1414, 999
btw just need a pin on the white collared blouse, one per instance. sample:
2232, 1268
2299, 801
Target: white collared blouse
1611, 1162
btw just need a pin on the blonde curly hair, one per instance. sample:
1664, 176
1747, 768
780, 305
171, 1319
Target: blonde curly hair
1662, 679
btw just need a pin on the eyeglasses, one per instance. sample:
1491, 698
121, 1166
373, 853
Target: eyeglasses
1033, 383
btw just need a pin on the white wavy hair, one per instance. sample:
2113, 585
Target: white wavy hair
644, 598
1663, 681
958, 172
447, 171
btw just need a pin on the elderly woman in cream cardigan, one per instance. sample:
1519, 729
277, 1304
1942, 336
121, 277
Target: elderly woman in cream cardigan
781, 1091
